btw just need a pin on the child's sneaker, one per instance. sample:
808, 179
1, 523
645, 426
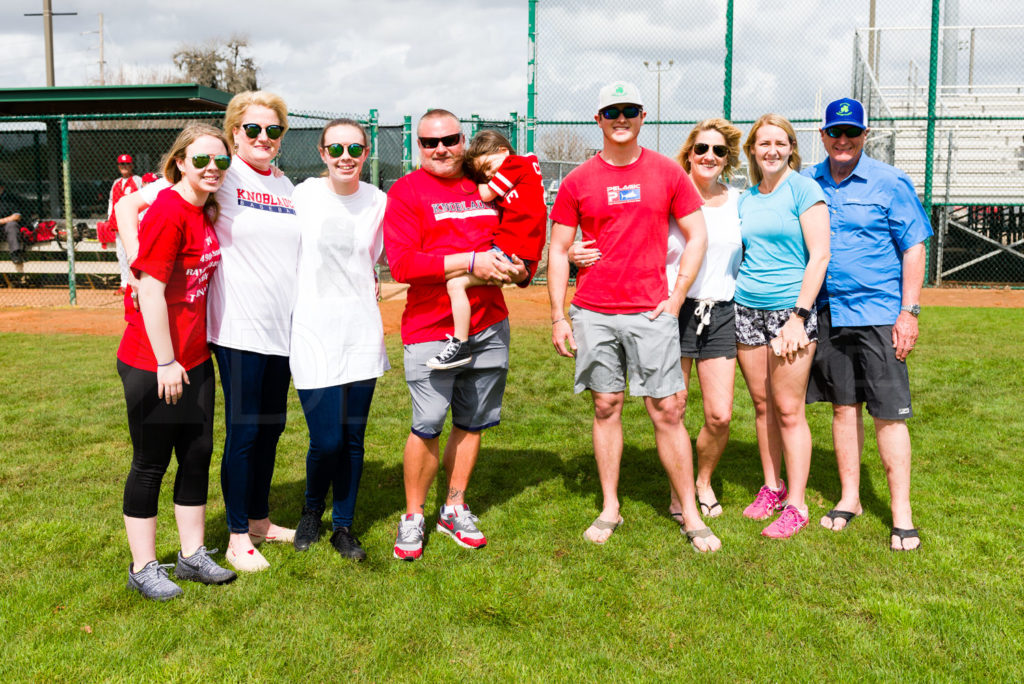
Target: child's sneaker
459, 524
767, 502
409, 545
456, 353
786, 525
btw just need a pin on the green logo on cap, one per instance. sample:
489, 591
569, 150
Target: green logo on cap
619, 90
844, 109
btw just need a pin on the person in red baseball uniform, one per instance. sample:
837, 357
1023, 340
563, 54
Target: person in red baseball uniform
515, 184
125, 185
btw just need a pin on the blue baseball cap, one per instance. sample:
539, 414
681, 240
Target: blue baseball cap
845, 112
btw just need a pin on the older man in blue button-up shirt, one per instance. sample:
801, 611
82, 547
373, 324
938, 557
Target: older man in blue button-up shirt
867, 312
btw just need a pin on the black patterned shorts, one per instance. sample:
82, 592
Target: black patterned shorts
757, 327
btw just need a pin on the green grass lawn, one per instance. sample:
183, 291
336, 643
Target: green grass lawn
538, 603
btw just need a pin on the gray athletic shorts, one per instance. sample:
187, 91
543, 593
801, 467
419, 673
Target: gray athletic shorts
758, 327
474, 391
610, 346
857, 364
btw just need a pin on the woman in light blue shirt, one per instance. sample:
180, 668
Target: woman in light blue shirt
784, 223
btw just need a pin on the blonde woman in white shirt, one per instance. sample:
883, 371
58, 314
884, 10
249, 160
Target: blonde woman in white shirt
337, 341
249, 319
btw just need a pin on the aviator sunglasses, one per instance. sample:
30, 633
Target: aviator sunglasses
629, 111
274, 131
355, 150
447, 140
849, 131
721, 151
201, 161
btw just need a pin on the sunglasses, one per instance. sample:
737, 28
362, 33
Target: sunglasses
721, 151
849, 131
355, 150
629, 111
201, 161
274, 131
448, 141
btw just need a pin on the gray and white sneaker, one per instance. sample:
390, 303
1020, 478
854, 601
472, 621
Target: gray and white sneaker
460, 525
454, 355
409, 544
152, 582
199, 567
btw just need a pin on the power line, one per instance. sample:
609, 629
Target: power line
47, 16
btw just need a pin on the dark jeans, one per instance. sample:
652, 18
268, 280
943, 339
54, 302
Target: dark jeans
336, 417
255, 407
157, 428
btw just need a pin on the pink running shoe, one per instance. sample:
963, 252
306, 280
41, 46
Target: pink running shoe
786, 525
767, 502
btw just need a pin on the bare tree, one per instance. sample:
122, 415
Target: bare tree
222, 66
562, 144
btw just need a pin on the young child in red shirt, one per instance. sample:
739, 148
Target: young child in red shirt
514, 183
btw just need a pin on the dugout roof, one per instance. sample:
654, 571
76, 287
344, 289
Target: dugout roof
124, 99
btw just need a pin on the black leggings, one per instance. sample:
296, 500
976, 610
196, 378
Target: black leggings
157, 427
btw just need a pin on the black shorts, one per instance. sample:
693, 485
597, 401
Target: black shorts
858, 364
717, 338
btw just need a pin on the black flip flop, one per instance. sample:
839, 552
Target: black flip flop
845, 515
903, 534
705, 509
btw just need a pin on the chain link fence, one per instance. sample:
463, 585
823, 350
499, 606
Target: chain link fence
52, 265
957, 131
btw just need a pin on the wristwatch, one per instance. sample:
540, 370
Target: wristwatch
801, 312
912, 309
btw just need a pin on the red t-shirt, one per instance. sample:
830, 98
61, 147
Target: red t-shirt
523, 214
626, 210
426, 218
177, 246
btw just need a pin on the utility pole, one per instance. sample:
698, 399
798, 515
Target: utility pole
48, 15
657, 68
103, 78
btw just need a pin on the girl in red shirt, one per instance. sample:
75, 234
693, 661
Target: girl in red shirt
165, 365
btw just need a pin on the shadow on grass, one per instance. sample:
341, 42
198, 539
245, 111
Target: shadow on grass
642, 477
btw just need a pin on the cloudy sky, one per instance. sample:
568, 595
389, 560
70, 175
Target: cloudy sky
402, 56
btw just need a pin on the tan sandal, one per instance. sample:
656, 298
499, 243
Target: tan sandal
599, 526
702, 533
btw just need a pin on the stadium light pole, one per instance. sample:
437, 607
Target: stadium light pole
658, 69
47, 16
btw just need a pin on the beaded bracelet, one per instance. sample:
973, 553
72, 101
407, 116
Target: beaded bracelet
161, 365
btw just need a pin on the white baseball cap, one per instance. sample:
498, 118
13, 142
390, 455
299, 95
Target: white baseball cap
618, 92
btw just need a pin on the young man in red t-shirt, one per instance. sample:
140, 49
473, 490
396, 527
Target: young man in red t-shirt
436, 227
622, 199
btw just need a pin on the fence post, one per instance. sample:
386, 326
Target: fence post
513, 129
727, 96
475, 118
407, 144
531, 79
69, 223
375, 155
929, 163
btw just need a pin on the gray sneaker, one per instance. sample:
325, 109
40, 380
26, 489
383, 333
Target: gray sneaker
199, 567
152, 582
